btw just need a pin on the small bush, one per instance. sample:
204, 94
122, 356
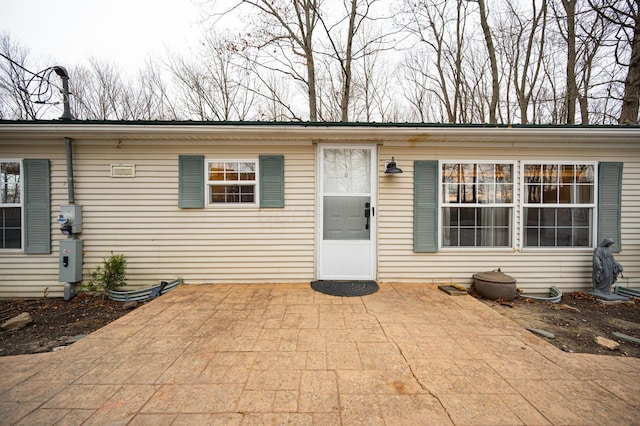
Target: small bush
111, 275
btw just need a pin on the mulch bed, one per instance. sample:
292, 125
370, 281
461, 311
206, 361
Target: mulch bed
54, 321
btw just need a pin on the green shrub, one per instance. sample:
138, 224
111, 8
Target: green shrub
111, 275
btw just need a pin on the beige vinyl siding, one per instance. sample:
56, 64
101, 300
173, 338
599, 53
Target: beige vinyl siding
631, 210
140, 218
535, 269
36, 275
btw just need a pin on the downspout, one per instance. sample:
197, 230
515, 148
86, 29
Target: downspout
70, 184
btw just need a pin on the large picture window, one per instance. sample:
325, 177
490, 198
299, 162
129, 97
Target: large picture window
10, 205
477, 204
558, 204
232, 182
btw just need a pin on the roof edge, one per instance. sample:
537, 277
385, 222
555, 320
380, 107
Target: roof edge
315, 124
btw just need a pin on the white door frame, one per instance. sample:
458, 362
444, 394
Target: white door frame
334, 251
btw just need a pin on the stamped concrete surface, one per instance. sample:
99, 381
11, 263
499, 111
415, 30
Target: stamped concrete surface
285, 354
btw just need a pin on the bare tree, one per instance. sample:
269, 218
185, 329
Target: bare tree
358, 91
415, 84
478, 90
102, 92
583, 33
626, 15
99, 92
192, 88
14, 81
275, 99
329, 86
327, 60
283, 31
570, 37
440, 25
314, 43
345, 55
552, 104
350, 38
524, 41
591, 76
376, 87
215, 85
491, 51
153, 97
608, 101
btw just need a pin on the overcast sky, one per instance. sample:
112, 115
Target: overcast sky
68, 32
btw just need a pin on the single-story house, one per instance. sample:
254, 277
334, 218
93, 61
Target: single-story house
255, 202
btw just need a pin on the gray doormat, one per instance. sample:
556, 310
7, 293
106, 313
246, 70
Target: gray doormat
345, 288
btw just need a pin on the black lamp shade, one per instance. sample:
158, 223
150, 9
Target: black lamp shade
392, 167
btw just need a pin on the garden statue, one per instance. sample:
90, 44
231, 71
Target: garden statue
605, 270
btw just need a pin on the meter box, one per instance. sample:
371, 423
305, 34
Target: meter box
70, 219
70, 266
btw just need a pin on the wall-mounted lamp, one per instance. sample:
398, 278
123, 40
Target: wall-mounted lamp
391, 167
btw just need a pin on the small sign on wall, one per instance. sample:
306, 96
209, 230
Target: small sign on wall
123, 170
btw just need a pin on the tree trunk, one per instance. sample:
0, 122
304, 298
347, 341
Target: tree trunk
495, 82
346, 90
311, 83
572, 88
307, 30
631, 99
584, 109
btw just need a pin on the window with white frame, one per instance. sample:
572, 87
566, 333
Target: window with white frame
10, 205
477, 204
558, 204
232, 182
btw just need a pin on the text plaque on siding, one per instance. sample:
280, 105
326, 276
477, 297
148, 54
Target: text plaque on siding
123, 170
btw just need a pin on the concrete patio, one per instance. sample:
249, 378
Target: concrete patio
285, 354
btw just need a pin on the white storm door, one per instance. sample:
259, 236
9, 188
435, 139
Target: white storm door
346, 213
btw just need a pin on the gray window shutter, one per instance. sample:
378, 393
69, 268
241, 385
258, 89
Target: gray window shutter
425, 206
609, 203
272, 181
191, 181
37, 207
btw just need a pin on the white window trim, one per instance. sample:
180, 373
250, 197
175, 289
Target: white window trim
20, 204
593, 206
208, 184
512, 205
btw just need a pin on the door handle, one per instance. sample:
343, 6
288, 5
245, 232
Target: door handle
367, 214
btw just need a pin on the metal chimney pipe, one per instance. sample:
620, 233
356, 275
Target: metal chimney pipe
64, 76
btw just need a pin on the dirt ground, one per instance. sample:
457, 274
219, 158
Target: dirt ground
55, 321
576, 321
